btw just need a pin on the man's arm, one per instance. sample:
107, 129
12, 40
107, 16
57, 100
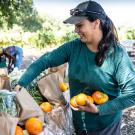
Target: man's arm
11, 60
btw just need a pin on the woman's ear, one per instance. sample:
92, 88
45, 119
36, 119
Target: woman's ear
97, 24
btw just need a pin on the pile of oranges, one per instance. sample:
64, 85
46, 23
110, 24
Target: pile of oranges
33, 126
81, 99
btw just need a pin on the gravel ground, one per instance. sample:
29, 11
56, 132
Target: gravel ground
128, 119
128, 122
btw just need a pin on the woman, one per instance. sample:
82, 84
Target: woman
96, 62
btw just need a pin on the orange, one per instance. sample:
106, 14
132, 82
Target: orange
81, 99
34, 126
90, 99
73, 102
63, 86
46, 107
100, 97
19, 131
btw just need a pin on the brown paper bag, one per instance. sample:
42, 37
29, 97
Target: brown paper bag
4, 82
59, 120
58, 68
3, 71
4, 79
29, 107
7, 124
49, 87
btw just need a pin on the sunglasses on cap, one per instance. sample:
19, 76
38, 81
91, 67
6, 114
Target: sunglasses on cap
79, 12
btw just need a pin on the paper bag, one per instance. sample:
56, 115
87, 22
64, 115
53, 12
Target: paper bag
3, 71
59, 122
7, 124
49, 88
4, 79
58, 68
29, 107
4, 82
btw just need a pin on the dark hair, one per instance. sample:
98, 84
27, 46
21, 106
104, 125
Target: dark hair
109, 39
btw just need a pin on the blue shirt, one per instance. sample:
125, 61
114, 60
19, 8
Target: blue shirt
16, 52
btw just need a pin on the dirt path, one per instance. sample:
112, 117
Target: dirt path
31, 54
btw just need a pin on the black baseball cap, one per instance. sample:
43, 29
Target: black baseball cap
85, 10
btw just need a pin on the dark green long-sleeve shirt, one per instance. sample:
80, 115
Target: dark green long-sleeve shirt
116, 77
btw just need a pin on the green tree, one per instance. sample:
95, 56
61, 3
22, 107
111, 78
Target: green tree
130, 34
18, 12
31, 23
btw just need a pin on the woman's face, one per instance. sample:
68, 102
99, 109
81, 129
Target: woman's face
85, 30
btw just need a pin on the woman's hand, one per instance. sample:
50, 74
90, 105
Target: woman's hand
89, 107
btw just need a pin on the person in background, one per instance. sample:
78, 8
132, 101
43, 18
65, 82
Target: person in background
2, 59
97, 61
14, 56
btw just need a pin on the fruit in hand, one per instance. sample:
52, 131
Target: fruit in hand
73, 102
100, 97
46, 107
63, 86
18, 131
34, 126
81, 99
90, 99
